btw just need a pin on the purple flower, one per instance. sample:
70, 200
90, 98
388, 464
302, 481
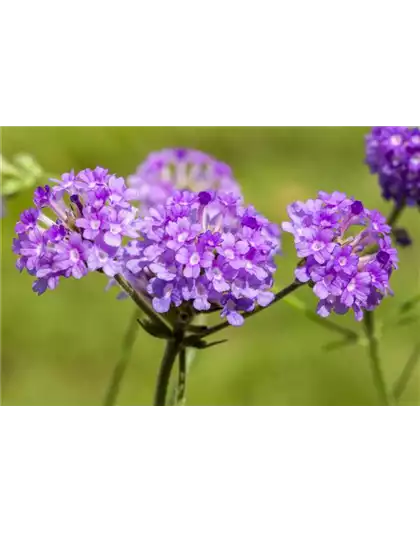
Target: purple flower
93, 216
181, 231
166, 171
71, 256
42, 196
92, 222
393, 153
66, 182
194, 260
202, 254
346, 270
120, 222
28, 220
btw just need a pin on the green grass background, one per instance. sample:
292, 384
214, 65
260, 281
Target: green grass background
60, 348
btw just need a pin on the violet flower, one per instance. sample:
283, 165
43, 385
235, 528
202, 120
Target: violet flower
77, 226
393, 153
348, 267
166, 171
204, 255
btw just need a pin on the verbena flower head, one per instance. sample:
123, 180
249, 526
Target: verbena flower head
393, 153
166, 171
204, 251
76, 226
346, 251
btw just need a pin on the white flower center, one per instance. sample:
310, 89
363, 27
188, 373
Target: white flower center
396, 140
74, 255
194, 259
182, 237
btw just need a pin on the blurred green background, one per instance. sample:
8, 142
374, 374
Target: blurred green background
60, 348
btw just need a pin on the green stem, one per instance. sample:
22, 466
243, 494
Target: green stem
406, 373
176, 398
369, 323
134, 295
314, 317
121, 366
396, 213
280, 295
171, 351
375, 362
182, 376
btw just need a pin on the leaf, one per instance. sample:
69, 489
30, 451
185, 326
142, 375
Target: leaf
195, 341
406, 373
19, 175
7, 168
154, 329
407, 320
326, 323
336, 345
410, 304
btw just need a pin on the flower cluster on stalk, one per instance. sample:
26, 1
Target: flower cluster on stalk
166, 171
393, 153
205, 250
346, 252
202, 249
76, 226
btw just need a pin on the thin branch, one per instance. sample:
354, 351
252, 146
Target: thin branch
134, 295
406, 373
375, 362
281, 294
121, 366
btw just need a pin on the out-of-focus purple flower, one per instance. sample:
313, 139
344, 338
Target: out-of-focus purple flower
166, 171
347, 254
91, 216
204, 255
393, 153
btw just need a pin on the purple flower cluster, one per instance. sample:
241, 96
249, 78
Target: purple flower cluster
204, 250
76, 226
166, 171
346, 251
394, 154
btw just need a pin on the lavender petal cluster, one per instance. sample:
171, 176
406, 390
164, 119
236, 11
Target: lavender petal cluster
165, 171
77, 226
203, 251
346, 252
393, 153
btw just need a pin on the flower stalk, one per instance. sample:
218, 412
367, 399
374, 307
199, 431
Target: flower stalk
173, 347
375, 361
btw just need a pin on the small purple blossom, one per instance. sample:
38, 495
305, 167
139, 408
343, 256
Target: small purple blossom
346, 270
166, 171
393, 153
203, 255
92, 218
28, 220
